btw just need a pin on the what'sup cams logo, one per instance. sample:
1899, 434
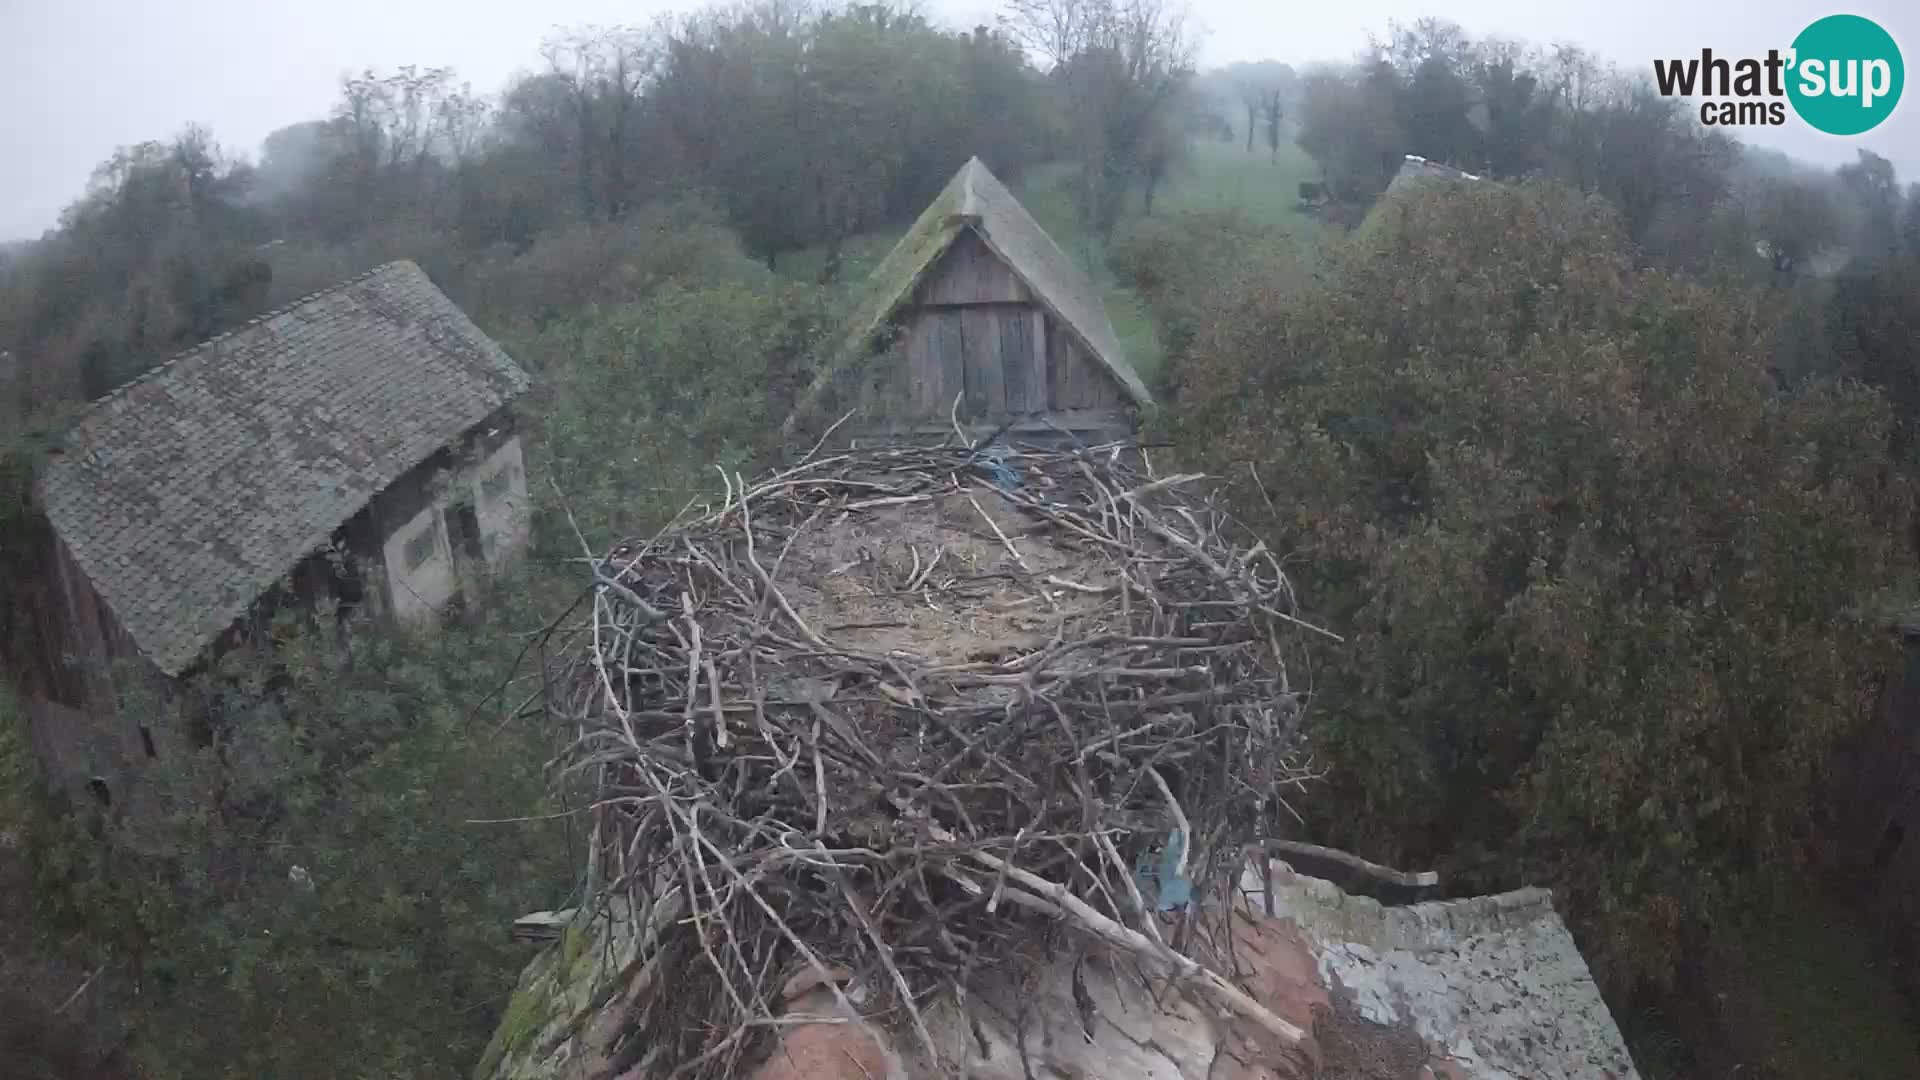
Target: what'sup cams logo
1843, 75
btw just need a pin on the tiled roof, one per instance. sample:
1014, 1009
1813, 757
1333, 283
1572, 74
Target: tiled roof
188, 492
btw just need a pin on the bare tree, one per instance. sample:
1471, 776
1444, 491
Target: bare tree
1120, 66
1262, 88
603, 70
1270, 108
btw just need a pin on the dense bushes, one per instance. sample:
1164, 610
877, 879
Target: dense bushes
1609, 598
654, 394
369, 765
1185, 264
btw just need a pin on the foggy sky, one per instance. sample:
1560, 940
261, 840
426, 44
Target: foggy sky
81, 77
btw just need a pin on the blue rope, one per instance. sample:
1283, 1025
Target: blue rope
992, 460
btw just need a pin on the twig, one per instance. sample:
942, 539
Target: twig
1419, 880
81, 989
1185, 969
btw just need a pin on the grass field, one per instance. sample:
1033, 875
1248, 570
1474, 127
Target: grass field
1804, 996
1217, 176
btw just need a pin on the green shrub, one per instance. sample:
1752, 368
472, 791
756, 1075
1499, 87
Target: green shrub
1608, 597
1190, 263
585, 264
653, 395
370, 764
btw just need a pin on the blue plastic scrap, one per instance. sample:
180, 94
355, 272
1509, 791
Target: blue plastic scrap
1165, 883
992, 460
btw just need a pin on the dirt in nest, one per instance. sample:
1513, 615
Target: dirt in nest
848, 577
1355, 1048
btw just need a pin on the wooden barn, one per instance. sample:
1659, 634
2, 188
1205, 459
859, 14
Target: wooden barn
977, 305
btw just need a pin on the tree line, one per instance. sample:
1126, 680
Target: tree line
1688, 196
804, 124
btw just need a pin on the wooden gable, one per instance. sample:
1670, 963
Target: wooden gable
973, 328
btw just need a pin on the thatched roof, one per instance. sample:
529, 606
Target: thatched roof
976, 200
188, 492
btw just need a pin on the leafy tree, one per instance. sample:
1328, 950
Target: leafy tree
1608, 598
1794, 222
811, 128
706, 373
1515, 111
368, 763
1350, 124
1873, 319
157, 255
1189, 265
1874, 189
1430, 61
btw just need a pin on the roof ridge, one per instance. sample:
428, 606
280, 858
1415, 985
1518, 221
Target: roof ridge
970, 200
274, 313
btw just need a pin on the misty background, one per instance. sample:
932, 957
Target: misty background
83, 78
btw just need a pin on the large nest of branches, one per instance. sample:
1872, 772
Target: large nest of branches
881, 718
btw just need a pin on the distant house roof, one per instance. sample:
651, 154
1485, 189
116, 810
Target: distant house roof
975, 199
1414, 167
187, 493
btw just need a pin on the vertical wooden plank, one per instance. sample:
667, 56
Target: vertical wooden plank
912, 348
1103, 390
1016, 358
1056, 364
922, 360
967, 273
1042, 396
986, 371
1074, 370
953, 359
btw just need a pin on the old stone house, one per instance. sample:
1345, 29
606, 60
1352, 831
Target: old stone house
350, 452
977, 303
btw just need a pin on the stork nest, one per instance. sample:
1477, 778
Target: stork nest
877, 719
